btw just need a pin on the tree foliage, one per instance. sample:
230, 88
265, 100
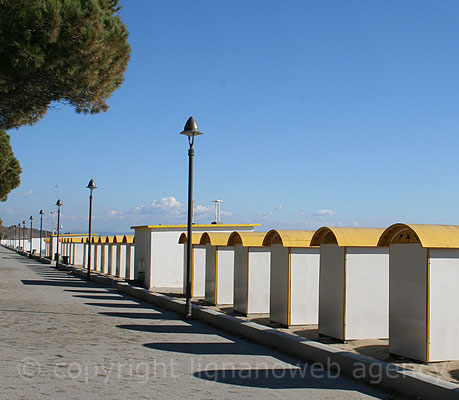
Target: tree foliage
70, 51
10, 170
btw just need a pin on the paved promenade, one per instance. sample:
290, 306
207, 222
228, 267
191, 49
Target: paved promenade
64, 338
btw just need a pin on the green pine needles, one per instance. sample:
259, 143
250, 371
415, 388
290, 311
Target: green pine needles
68, 51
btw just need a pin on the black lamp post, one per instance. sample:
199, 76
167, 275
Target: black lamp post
23, 236
91, 186
31, 222
191, 130
41, 228
58, 204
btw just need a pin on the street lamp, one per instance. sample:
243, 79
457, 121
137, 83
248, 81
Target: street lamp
41, 228
191, 130
91, 186
31, 222
58, 204
23, 236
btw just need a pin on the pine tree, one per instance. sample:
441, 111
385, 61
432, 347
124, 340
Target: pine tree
68, 51
10, 170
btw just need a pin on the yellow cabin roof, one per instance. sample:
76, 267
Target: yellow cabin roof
247, 239
195, 238
109, 239
118, 239
194, 225
288, 238
77, 240
349, 237
129, 239
428, 236
215, 238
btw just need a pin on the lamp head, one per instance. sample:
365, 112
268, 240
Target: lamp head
31, 218
92, 185
41, 212
191, 128
58, 203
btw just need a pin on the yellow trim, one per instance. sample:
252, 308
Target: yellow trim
428, 307
289, 300
103, 259
110, 259
288, 238
195, 238
129, 239
344, 295
118, 238
252, 239
247, 283
348, 237
192, 271
109, 239
430, 236
216, 275
215, 238
74, 234
195, 226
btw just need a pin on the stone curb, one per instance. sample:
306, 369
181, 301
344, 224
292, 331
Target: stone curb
359, 367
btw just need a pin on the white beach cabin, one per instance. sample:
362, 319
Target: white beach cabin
198, 264
354, 283
251, 272
159, 256
219, 268
424, 291
294, 283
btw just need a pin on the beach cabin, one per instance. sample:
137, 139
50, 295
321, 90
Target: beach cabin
354, 283
294, 282
198, 264
219, 268
129, 242
424, 291
159, 256
120, 256
251, 272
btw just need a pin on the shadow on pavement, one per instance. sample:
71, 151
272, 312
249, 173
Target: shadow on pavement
305, 376
209, 348
167, 328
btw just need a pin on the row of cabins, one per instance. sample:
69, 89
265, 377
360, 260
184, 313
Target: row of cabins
111, 255
355, 283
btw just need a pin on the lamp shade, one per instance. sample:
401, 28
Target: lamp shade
191, 128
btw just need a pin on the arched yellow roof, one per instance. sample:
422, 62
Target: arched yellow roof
288, 238
129, 239
247, 239
118, 239
76, 240
215, 238
428, 236
195, 238
350, 237
109, 239
100, 239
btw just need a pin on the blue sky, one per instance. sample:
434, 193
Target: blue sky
313, 112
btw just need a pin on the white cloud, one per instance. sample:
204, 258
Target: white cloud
322, 213
30, 193
166, 210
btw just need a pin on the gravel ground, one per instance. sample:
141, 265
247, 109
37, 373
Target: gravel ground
65, 338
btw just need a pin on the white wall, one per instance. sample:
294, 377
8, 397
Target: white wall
331, 291
304, 286
367, 293
407, 293
259, 280
444, 304
279, 284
